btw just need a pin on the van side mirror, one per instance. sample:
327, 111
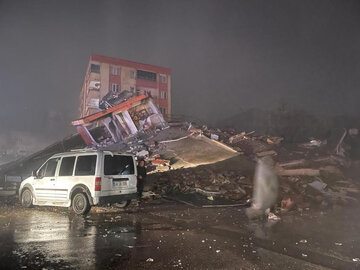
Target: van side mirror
34, 174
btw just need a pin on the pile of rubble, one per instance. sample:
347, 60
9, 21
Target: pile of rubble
311, 173
320, 181
228, 184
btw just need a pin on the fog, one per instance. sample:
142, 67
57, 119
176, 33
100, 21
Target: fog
225, 56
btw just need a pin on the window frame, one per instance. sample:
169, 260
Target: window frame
115, 86
94, 70
46, 164
73, 168
132, 74
163, 95
163, 78
77, 160
133, 165
116, 69
162, 110
141, 75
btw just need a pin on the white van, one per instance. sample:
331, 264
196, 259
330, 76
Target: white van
80, 179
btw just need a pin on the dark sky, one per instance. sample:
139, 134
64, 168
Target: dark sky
224, 55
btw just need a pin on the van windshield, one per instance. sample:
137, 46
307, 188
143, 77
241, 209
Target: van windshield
118, 165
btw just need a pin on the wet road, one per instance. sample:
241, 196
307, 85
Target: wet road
166, 235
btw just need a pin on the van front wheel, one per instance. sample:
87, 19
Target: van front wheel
27, 198
80, 204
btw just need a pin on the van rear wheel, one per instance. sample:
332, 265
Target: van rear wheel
80, 204
123, 204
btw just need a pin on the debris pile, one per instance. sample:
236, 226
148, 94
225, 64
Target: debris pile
179, 157
227, 184
311, 173
316, 181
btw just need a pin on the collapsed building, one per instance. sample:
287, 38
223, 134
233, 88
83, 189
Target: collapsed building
122, 98
121, 119
106, 76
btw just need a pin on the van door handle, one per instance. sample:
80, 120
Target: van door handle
53, 179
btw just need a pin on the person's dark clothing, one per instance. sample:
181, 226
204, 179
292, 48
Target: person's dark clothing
141, 172
141, 181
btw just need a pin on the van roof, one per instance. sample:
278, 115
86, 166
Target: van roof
88, 151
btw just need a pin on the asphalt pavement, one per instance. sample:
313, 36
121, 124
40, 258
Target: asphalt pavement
165, 234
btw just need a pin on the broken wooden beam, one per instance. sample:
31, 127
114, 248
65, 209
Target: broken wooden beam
293, 163
293, 172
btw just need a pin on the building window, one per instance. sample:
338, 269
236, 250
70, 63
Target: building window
148, 93
162, 95
162, 110
146, 75
94, 68
132, 74
163, 78
115, 87
115, 70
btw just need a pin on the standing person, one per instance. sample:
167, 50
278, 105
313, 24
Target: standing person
266, 188
141, 171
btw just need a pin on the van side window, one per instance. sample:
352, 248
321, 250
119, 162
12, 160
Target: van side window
85, 165
49, 168
118, 165
67, 166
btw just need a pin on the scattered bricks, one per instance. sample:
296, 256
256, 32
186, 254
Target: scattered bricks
287, 204
197, 185
236, 138
274, 140
161, 161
